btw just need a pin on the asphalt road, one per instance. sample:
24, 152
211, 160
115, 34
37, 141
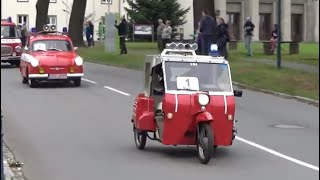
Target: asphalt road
64, 133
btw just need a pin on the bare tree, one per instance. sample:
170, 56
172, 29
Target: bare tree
76, 22
199, 6
42, 7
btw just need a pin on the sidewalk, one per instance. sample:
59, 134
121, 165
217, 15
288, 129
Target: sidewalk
290, 65
10, 173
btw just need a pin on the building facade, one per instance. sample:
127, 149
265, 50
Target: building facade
300, 18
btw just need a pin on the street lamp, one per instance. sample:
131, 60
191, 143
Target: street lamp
279, 36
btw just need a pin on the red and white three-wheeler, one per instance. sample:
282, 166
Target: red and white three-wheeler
188, 99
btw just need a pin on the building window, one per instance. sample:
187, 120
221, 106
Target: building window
52, 19
22, 0
53, 1
265, 26
23, 19
106, 1
234, 25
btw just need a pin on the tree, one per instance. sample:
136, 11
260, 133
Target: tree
199, 6
148, 12
42, 7
76, 22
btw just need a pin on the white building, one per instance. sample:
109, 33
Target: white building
59, 12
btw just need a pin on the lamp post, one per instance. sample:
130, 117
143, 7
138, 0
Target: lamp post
279, 35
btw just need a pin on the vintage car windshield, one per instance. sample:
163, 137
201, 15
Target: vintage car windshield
51, 45
211, 77
8, 32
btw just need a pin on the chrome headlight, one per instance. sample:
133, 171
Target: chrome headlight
78, 60
17, 49
203, 99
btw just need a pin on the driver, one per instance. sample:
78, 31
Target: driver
157, 80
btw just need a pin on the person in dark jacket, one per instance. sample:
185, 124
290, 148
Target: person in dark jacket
88, 34
222, 37
122, 30
208, 30
249, 27
91, 26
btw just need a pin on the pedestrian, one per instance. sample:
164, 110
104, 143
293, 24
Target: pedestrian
222, 37
24, 34
273, 40
166, 34
122, 31
208, 30
249, 27
91, 27
160, 28
88, 33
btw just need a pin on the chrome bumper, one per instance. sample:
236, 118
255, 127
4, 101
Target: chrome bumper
45, 76
10, 58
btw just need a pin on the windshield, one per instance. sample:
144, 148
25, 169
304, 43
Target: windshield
197, 76
51, 45
8, 32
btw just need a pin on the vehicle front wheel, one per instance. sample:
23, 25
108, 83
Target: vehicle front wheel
205, 143
33, 83
140, 138
77, 82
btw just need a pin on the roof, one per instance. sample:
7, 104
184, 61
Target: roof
7, 23
38, 37
195, 58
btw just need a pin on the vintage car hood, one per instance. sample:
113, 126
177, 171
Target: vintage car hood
55, 59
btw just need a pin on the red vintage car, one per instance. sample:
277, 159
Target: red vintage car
50, 56
10, 43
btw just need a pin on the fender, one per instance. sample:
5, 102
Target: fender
204, 116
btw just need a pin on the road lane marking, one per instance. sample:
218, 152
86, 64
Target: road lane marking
115, 90
84, 79
278, 154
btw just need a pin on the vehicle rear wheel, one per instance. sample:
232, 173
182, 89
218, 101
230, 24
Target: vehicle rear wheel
17, 63
77, 82
140, 138
33, 83
205, 142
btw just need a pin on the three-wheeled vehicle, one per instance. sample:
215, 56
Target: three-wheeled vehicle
188, 99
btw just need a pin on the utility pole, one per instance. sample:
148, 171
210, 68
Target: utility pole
279, 36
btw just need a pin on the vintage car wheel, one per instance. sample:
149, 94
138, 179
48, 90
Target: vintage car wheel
77, 82
33, 83
140, 138
205, 143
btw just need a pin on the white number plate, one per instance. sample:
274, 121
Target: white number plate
58, 76
188, 83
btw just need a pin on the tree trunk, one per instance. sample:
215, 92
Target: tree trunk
199, 6
42, 7
76, 22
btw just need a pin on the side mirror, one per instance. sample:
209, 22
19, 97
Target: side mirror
237, 93
75, 48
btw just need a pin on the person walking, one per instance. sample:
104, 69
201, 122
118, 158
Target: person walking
122, 31
273, 40
208, 30
24, 34
160, 28
249, 27
88, 33
222, 37
91, 27
166, 34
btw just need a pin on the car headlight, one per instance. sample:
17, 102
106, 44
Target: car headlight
203, 99
17, 49
78, 60
34, 62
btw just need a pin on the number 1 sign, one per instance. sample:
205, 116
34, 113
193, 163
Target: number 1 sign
188, 83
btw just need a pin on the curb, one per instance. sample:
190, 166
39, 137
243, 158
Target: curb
286, 96
11, 173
